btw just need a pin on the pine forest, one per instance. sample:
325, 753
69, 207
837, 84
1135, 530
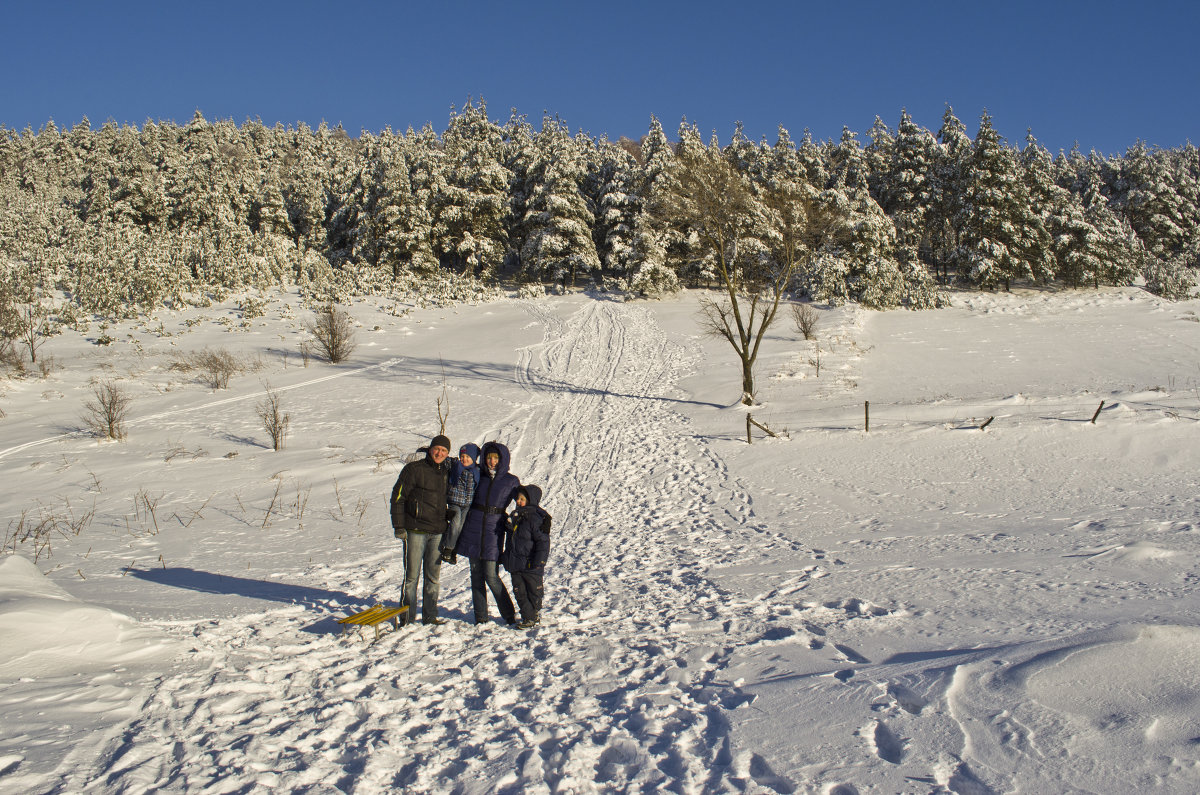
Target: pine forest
114, 222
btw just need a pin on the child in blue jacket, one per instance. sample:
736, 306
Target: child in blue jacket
464, 476
526, 548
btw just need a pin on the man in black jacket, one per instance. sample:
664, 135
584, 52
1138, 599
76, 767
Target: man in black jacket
419, 517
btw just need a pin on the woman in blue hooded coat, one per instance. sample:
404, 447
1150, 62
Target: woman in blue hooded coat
484, 528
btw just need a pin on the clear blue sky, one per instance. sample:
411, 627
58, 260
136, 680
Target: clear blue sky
1102, 73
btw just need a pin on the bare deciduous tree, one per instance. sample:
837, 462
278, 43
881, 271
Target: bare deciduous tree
711, 196
108, 410
275, 421
34, 328
28, 325
333, 329
443, 404
815, 359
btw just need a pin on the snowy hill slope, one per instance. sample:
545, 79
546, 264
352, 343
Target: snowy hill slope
926, 607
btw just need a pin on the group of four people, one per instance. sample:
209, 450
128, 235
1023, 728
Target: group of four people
443, 509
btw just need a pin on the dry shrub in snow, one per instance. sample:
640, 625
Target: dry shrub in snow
106, 413
40, 530
213, 366
10, 359
806, 319
333, 329
275, 422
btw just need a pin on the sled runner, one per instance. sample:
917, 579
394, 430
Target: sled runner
373, 617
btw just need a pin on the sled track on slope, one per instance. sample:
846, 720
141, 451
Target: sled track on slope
622, 688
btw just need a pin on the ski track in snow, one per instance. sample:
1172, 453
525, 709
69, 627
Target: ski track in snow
620, 689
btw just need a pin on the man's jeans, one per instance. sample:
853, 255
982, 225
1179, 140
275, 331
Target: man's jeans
422, 550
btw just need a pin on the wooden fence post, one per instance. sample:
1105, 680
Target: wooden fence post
749, 438
1097, 414
751, 421
867, 416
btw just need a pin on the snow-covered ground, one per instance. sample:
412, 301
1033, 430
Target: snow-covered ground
924, 607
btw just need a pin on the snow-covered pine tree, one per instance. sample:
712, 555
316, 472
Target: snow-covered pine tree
427, 179
949, 185
1151, 202
1185, 165
1050, 203
651, 275
878, 155
347, 176
389, 211
1120, 254
907, 189
304, 192
748, 157
470, 217
518, 153
789, 208
612, 190
909, 193
1001, 236
134, 164
1151, 190
814, 161
558, 223
867, 237
267, 216
200, 200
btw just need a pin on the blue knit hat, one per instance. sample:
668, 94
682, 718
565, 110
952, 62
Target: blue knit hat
471, 449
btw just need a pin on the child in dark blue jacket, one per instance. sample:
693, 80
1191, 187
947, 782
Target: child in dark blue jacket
526, 548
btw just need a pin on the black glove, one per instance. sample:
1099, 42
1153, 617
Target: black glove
400, 533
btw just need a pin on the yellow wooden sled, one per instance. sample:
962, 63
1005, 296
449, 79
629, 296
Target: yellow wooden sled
373, 617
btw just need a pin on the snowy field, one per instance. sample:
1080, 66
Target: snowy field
925, 607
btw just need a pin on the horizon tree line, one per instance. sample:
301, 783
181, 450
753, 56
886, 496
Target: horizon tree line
119, 220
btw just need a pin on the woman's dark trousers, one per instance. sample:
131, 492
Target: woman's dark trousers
485, 576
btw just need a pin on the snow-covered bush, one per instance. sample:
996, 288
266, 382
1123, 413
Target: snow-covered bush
443, 288
654, 280
252, 307
1172, 279
826, 281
